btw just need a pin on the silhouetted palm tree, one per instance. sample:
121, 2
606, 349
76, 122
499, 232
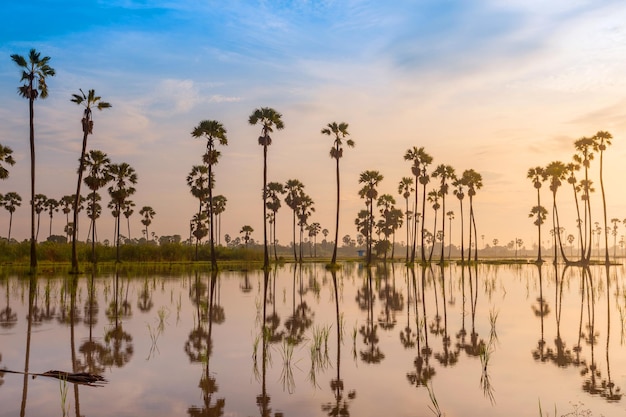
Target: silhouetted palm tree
6, 157
97, 163
11, 202
584, 147
340, 131
89, 101
474, 181
293, 191
405, 188
371, 179
129, 209
51, 205
246, 231
420, 160
274, 189
219, 206
148, 214
212, 130
34, 70
537, 175
269, 119
445, 173
459, 192
39, 203
556, 172
124, 177
601, 140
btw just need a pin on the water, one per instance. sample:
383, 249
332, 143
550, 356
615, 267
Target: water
484, 341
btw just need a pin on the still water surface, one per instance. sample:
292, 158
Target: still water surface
479, 341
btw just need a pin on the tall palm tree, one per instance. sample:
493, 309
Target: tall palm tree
89, 102
305, 210
35, 70
584, 147
340, 131
219, 206
459, 192
539, 213
6, 157
556, 173
445, 173
269, 119
537, 175
293, 191
450, 215
98, 163
474, 181
274, 189
420, 160
405, 188
148, 214
570, 170
370, 179
212, 131
246, 231
124, 177
433, 197
40, 206
601, 140
198, 182
11, 202
129, 209
51, 205
66, 203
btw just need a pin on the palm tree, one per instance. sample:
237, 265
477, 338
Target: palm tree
7, 158
556, 172
39, 204
584, 156
89, 101
11, 202
405, 188
601, 140
474, 181
34, 70
420, 160
98, 164
459, 192
198, 181
570, 172
450, 215
269, 119
336, 151
433, 197
66, 204
274, 189
124, 177
539, 213
371, 179
148, 214
537, 175
445, 173
219, 206
51, 205
305, 210
246, 231
211, 130
129, 209
314, 229
293, 191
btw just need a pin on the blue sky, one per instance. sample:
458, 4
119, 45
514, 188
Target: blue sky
494, 85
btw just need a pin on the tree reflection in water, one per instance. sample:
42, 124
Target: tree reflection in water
208, 383
365, 298
118, 343
423, 371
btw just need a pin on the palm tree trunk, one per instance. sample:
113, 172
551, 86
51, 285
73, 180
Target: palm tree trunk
443, 226
334, 258
81, 167
606, 230
295, 255
266, 258
274, 240
463, 237
10, 224
423, 250
415, 220
211, 223
33, 242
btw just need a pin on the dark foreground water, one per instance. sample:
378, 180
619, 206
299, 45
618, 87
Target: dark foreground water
389, 341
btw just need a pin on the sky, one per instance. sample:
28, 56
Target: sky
497, 86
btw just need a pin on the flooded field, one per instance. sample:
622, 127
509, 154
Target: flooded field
390, 340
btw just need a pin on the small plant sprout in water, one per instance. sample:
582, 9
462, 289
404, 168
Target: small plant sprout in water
493, 317
319, 357
433, 400
286, 375
65, 406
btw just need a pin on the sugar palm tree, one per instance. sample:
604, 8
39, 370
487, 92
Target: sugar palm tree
433, 197
420, 160
198, 182
148, 214
6, 157
305, 210
474, 181
314, 229
40, 206
293, 191
35, 70
89, 102
11, 202
601, 140
340, 131
269, 119
370, 179
459, 193
584, 155
219, 206
405, 188
450, 215
570, 172
556, 173
51, 205
274, 190
129, 209
124, 177
537, 175
246, 231
97, 163
446, 174
212, 131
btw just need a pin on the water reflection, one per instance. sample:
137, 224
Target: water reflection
411, 329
